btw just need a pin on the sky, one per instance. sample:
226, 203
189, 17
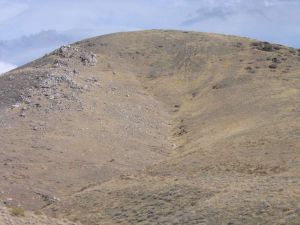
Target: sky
31, 28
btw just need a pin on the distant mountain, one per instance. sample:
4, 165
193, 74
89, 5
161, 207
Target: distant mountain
26, 48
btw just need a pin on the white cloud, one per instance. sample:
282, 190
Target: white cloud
4, 67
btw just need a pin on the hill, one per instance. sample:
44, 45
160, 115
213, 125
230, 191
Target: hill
155, 127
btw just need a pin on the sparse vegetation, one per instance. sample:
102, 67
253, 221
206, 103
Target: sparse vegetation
38, 213
217, 86
250, 69
265, 46
19, 212
273, 66
275, 60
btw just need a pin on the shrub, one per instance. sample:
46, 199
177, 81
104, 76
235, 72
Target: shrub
17, 212
264, 46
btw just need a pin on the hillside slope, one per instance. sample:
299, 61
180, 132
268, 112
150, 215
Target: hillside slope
155, 127
16, 216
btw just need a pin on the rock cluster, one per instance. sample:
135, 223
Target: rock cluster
59, 83
67, 51
53, 90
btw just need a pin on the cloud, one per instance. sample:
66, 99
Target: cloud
222, 10
4, 67
208, 14
61, 15
281, 2
9, 10
270, 20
